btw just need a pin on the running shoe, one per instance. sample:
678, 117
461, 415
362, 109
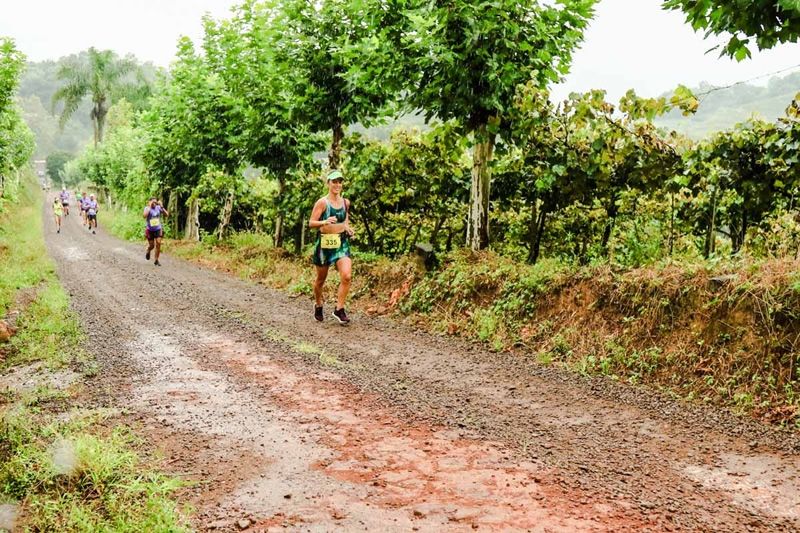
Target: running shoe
156, 263
341, 316
147, 255
318, 316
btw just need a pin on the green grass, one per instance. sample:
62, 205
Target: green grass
64, 470
71, 475
126, 225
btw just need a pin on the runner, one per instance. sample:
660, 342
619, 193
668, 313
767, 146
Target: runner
153, 230
91, 213
82, 201
331, 216
64, 195
58, 212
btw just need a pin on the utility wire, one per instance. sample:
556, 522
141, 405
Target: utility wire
724, 87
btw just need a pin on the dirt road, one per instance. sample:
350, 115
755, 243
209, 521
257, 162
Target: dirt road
287, 423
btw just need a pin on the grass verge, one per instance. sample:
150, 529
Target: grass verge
61, 468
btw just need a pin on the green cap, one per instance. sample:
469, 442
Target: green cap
335, 175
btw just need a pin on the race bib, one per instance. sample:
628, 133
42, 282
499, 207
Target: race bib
330, 241
155, 222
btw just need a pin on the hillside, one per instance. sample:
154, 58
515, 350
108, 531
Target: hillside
723, 108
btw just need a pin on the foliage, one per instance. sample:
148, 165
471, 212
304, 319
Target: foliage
101, 77
409, 190
16, 139
55, 163
341, 67
769, 22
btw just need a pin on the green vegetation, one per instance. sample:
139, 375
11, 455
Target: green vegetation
16, 139
769, 22
63, 469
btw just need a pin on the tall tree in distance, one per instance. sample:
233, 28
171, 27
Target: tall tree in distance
770, 22
466, 59
99, 77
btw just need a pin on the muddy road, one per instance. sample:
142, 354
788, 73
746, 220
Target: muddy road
284, 423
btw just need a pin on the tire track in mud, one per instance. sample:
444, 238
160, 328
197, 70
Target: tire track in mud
393, 429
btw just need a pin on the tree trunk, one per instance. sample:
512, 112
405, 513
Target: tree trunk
710, 243
416, 238
298, 235
532, 225
225, 215
448, 246
193, 220
612, 210
478, 223
334, 157
437, 228
671, 224
278, 236
743, 234
370, 234
539, 232
172, 207
95, 128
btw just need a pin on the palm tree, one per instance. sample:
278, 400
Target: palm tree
99, 75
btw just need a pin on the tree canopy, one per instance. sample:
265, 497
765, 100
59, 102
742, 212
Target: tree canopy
767, 22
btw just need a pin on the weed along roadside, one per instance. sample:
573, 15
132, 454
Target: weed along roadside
726, 336
64, 466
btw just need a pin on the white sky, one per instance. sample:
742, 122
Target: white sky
630, 44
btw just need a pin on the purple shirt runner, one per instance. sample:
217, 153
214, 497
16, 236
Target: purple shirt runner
154, 213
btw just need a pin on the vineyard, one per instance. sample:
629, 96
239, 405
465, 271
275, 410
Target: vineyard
566, 315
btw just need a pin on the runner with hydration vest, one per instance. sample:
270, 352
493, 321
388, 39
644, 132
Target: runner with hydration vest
154, 230
331, 216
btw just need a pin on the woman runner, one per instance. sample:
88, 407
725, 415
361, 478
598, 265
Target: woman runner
331, 216
153, 229
58, 212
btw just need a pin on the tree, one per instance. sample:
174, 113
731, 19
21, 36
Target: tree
770, 22
241, 52
16, 139
194, 128
55, 164
338, 63
99, 77
468, 57
12, 61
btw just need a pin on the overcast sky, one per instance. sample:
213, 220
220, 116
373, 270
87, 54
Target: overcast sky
630, 44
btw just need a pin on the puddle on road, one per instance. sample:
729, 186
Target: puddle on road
30, 377
753, 484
